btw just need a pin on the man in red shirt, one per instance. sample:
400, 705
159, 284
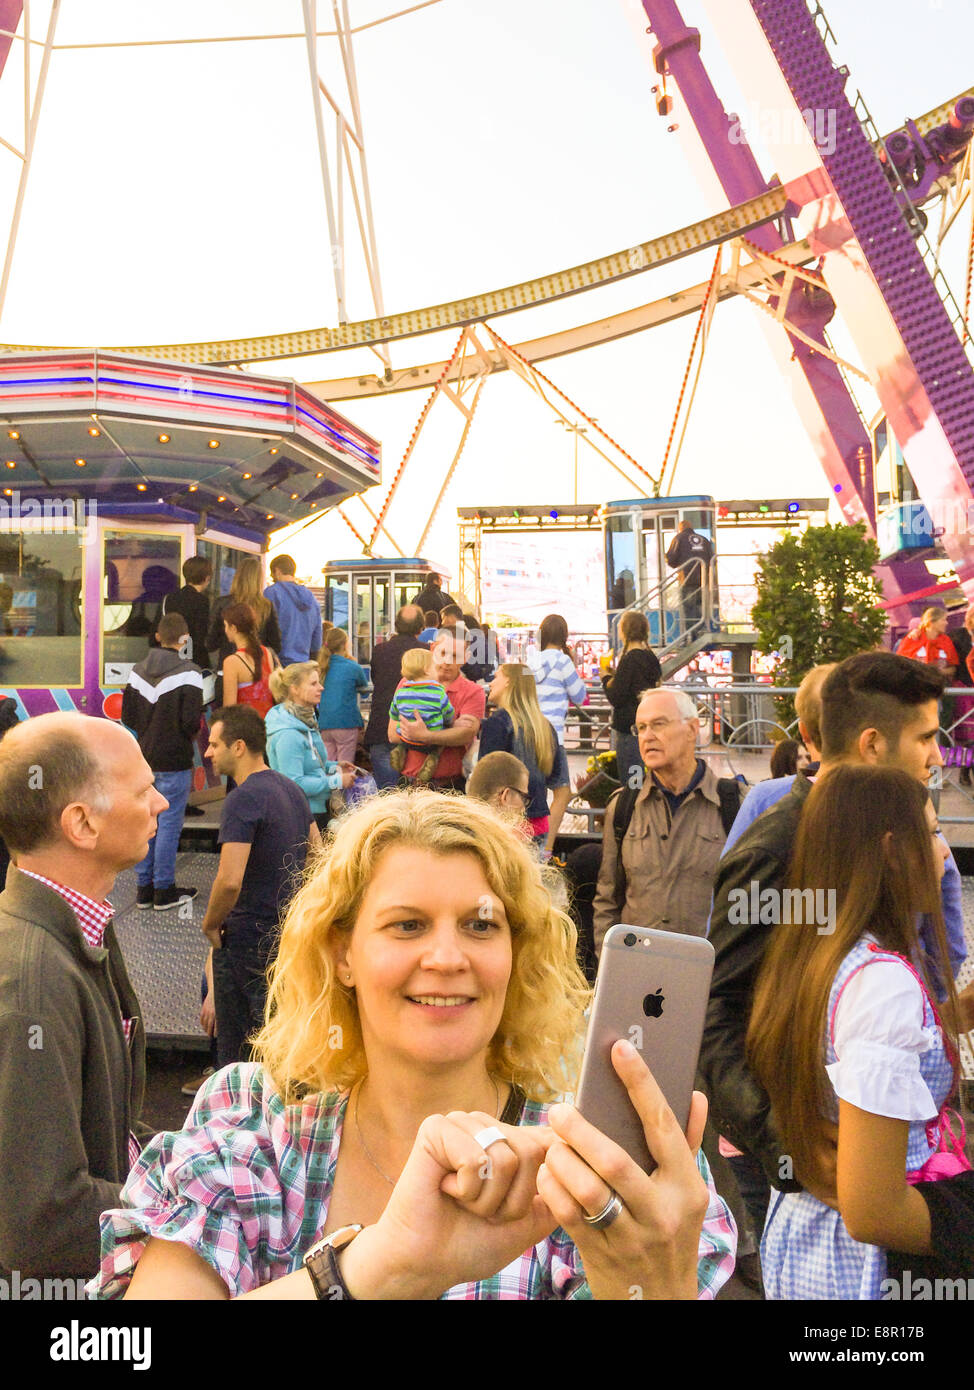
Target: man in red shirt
468, 701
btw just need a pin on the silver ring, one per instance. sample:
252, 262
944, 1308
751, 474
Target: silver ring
488, 1136
603, 1219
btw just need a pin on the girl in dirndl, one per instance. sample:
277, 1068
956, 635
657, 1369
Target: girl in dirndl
847, 1039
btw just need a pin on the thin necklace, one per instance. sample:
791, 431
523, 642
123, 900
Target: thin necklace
368, 1151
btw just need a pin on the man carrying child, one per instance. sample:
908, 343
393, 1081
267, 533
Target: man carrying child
419, 696
467, 700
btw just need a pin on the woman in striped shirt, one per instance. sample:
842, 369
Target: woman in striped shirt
559, 684
425, 1011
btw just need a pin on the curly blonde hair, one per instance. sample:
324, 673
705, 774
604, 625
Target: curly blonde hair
311, 1040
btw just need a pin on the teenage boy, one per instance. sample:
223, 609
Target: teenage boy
163, 705
192, 602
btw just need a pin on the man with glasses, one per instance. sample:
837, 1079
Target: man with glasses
501, 780
662, 842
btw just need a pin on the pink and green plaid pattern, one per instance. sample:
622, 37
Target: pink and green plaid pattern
247, 1181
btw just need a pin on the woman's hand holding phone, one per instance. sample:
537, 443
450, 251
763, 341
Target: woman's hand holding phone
650, 1249
458, 1212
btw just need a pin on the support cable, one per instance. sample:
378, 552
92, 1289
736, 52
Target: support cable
701, 319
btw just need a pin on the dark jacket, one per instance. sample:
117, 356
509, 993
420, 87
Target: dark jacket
637, 671
163, 705
739, 1106
386, 667
195, 608
70, 1087
687, 546
432, 600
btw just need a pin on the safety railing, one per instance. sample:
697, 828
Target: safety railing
684, 600
738, 715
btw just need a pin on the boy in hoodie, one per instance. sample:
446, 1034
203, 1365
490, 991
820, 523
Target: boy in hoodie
163, 705
297, 612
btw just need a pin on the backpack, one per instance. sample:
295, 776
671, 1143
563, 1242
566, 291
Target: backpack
730, 793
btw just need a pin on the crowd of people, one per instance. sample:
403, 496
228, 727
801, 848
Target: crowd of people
398, 977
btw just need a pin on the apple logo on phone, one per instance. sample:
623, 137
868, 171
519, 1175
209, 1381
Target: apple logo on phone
653, 1004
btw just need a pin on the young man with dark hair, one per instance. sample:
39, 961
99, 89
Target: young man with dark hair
265, 829
163, 706
386, 667
297, 612
191, 601
77, 807
875, 708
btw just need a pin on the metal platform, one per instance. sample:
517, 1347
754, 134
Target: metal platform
165, 953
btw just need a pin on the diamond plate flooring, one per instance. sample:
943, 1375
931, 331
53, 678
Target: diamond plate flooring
165, 952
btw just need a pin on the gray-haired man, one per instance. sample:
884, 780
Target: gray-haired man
662, 841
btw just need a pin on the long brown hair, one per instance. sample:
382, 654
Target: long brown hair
335, 639
244, 619
247, 587
863, 836
633, 627
553, 632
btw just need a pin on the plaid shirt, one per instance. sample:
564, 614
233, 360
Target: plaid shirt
93, 918
247, 1182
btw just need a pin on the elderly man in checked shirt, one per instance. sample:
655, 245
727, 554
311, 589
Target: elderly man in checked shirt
77, 806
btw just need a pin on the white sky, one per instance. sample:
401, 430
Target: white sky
175, 195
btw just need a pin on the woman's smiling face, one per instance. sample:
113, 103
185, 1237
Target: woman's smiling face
430, 958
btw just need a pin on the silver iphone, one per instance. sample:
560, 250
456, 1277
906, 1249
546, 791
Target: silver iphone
652, 990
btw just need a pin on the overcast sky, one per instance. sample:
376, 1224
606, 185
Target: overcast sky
175, 195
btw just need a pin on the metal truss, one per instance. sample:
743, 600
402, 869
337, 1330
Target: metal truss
10, 13
461, 383
349, 163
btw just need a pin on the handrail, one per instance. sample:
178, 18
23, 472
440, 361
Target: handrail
651, 599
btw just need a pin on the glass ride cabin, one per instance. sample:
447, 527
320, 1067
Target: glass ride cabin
363, 596
637, 534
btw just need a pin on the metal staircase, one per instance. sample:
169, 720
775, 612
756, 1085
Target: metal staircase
676, 636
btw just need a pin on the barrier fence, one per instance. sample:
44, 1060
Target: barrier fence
739, 715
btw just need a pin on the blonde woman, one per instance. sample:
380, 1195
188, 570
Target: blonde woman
517, 726
425, 1009
294, 744
929, 642
246, 587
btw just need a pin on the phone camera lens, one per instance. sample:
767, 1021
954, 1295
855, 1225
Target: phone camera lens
630, 939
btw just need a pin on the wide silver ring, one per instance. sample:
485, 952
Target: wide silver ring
488, 1136
603, 1219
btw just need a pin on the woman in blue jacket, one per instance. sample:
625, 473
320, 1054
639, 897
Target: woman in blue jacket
339, 717
294, 746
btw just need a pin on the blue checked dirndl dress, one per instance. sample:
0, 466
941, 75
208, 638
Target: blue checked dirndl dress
890, 1066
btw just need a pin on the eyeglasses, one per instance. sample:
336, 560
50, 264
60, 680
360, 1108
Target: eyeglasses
655, 726
525, 796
